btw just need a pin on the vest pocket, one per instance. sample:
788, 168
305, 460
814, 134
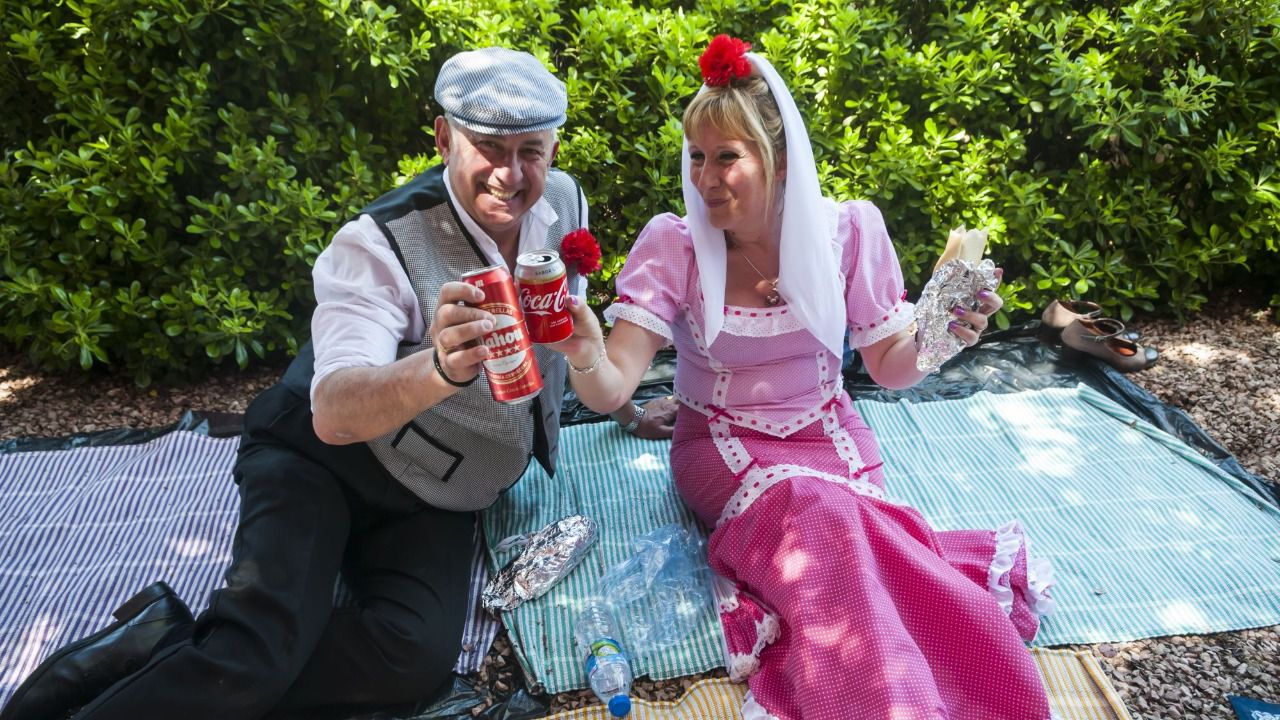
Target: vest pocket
426, 452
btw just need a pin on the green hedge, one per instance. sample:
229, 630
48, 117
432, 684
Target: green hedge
171, 169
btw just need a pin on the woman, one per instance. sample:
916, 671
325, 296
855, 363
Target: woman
837, 603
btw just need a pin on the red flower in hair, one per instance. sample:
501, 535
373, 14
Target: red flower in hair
725, 60
581, 249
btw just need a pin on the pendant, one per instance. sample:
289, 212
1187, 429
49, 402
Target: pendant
770, 292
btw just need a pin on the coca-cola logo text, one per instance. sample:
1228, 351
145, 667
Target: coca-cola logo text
536, 303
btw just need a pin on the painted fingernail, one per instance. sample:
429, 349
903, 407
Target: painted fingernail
984, 294
959, 311
573, 299
953, 325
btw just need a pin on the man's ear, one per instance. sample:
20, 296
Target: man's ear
444, 141
555, 150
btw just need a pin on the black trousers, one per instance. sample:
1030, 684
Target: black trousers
271, 640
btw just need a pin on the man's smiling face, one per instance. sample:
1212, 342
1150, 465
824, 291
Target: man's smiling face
496, 178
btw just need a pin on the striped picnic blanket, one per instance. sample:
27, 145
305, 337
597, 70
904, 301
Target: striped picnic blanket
1146, 536
1077, 689
82, 530
624, 484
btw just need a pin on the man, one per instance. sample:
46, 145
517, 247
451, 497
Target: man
369, 457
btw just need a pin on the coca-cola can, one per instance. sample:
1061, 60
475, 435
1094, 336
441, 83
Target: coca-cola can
511, 367
544, 296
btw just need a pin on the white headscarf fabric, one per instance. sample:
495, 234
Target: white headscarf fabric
808, 277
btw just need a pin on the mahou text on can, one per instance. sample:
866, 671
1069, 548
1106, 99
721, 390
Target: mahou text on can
511, 367
544, 296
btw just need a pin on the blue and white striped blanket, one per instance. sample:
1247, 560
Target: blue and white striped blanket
82, 530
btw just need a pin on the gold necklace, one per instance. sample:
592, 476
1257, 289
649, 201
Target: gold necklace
771, 297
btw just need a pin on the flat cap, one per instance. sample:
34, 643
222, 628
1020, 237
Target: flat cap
497, 91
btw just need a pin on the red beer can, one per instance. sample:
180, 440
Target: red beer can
544, 296
511, 366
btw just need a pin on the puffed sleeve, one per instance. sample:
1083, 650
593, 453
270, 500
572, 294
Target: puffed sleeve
875, 296
653, 282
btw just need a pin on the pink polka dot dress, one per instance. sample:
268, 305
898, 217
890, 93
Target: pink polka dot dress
836, 602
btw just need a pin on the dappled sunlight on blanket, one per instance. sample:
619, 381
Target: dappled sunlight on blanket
191, 547
648, 462
1182, 617
34, 645
1146, 537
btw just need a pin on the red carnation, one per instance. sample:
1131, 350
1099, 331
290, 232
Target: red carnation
725, 60
581, 249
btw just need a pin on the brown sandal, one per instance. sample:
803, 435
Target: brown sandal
1061, 313
1106, 339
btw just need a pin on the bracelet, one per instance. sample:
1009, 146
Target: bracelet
435, 358
635, 419
590, 368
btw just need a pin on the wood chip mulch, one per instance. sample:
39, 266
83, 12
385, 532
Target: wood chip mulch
1222, 366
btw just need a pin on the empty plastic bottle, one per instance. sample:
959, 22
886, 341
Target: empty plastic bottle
608, 670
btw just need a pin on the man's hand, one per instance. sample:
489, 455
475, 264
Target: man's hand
457, 329
659, 419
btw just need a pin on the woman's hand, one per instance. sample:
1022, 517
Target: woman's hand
969, 324
584, 346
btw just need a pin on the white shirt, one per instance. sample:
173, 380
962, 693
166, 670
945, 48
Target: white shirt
365, 305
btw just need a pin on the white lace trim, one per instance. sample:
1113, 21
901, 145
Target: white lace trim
717, 412
1040, 579
725, 592
743, 665
899, 318
759, 322
752, 421
752, 710
1009, 540
633, 313
759, 479
732, 451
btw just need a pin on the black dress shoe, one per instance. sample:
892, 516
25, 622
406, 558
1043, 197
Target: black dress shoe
79, 672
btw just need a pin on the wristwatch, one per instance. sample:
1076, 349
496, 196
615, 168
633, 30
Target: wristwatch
635, 419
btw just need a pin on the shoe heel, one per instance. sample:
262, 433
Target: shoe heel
145, 597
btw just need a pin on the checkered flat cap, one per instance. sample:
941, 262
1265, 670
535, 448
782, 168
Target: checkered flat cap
497, 91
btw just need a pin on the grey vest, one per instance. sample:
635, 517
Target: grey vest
463, 452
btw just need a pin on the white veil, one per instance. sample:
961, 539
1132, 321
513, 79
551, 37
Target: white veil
808, 277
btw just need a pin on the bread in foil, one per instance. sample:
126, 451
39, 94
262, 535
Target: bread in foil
549, 555
956, 283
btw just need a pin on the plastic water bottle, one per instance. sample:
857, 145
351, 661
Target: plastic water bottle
608, 670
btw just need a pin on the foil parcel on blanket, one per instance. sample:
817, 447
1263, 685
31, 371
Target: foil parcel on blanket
549, 555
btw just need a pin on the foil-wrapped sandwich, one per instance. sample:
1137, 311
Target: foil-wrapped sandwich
959, 275
549, 555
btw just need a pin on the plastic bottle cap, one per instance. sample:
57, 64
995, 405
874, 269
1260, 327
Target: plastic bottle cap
619, 705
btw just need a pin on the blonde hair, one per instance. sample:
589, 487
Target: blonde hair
743, 109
